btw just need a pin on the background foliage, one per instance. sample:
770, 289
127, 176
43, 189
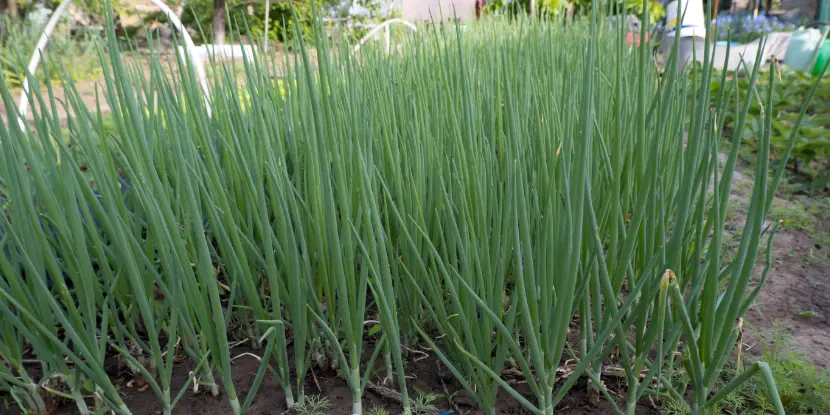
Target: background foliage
198, 15
557, 8
92, 8
743, 28
812, 147
17, 42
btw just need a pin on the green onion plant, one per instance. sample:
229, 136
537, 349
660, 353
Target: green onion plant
511, 194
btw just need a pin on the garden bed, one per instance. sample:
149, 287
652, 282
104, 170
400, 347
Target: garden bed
530, 215
425, 373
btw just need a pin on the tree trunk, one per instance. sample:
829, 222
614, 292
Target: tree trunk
12, 7
569, 13
219, 22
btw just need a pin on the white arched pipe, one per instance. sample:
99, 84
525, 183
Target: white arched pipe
385, 25
267, 18
194, 58
37, 55
23, 105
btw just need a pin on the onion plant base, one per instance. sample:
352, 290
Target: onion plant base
339, 396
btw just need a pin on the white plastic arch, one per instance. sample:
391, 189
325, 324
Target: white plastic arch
387, 35
37, 55
23, 105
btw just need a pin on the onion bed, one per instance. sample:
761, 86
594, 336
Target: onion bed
476, 191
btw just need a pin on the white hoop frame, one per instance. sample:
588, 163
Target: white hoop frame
37, 55
387, 35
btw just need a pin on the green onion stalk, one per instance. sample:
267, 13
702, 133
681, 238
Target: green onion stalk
511, 195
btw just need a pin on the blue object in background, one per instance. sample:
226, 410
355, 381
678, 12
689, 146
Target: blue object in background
725, 43
746, 28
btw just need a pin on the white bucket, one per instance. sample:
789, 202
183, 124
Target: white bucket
692, 23
802, 49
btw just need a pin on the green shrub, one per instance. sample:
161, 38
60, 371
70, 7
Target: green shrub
198, 15
281, 26
17, 43
556, 8
811, 149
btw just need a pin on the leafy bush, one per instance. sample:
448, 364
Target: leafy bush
281, 26
357, 19
656, 11
18, 39
743, 28
354, 19
556, 8
198, 15
811, 151
93, 9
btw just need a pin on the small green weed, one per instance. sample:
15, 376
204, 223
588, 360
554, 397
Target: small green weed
803, 387
423, 404
793, 214
378, 411
816, 258
676, 407
809, 313
313, 405
805, 214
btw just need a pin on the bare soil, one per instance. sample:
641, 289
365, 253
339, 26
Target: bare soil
87, 95
795, 299
424, 375
796, 295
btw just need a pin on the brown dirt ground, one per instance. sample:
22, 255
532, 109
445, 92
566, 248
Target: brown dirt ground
425, 374
796, 296
87, 92
795, 299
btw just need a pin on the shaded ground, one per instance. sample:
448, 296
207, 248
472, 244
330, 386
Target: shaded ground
424, 375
